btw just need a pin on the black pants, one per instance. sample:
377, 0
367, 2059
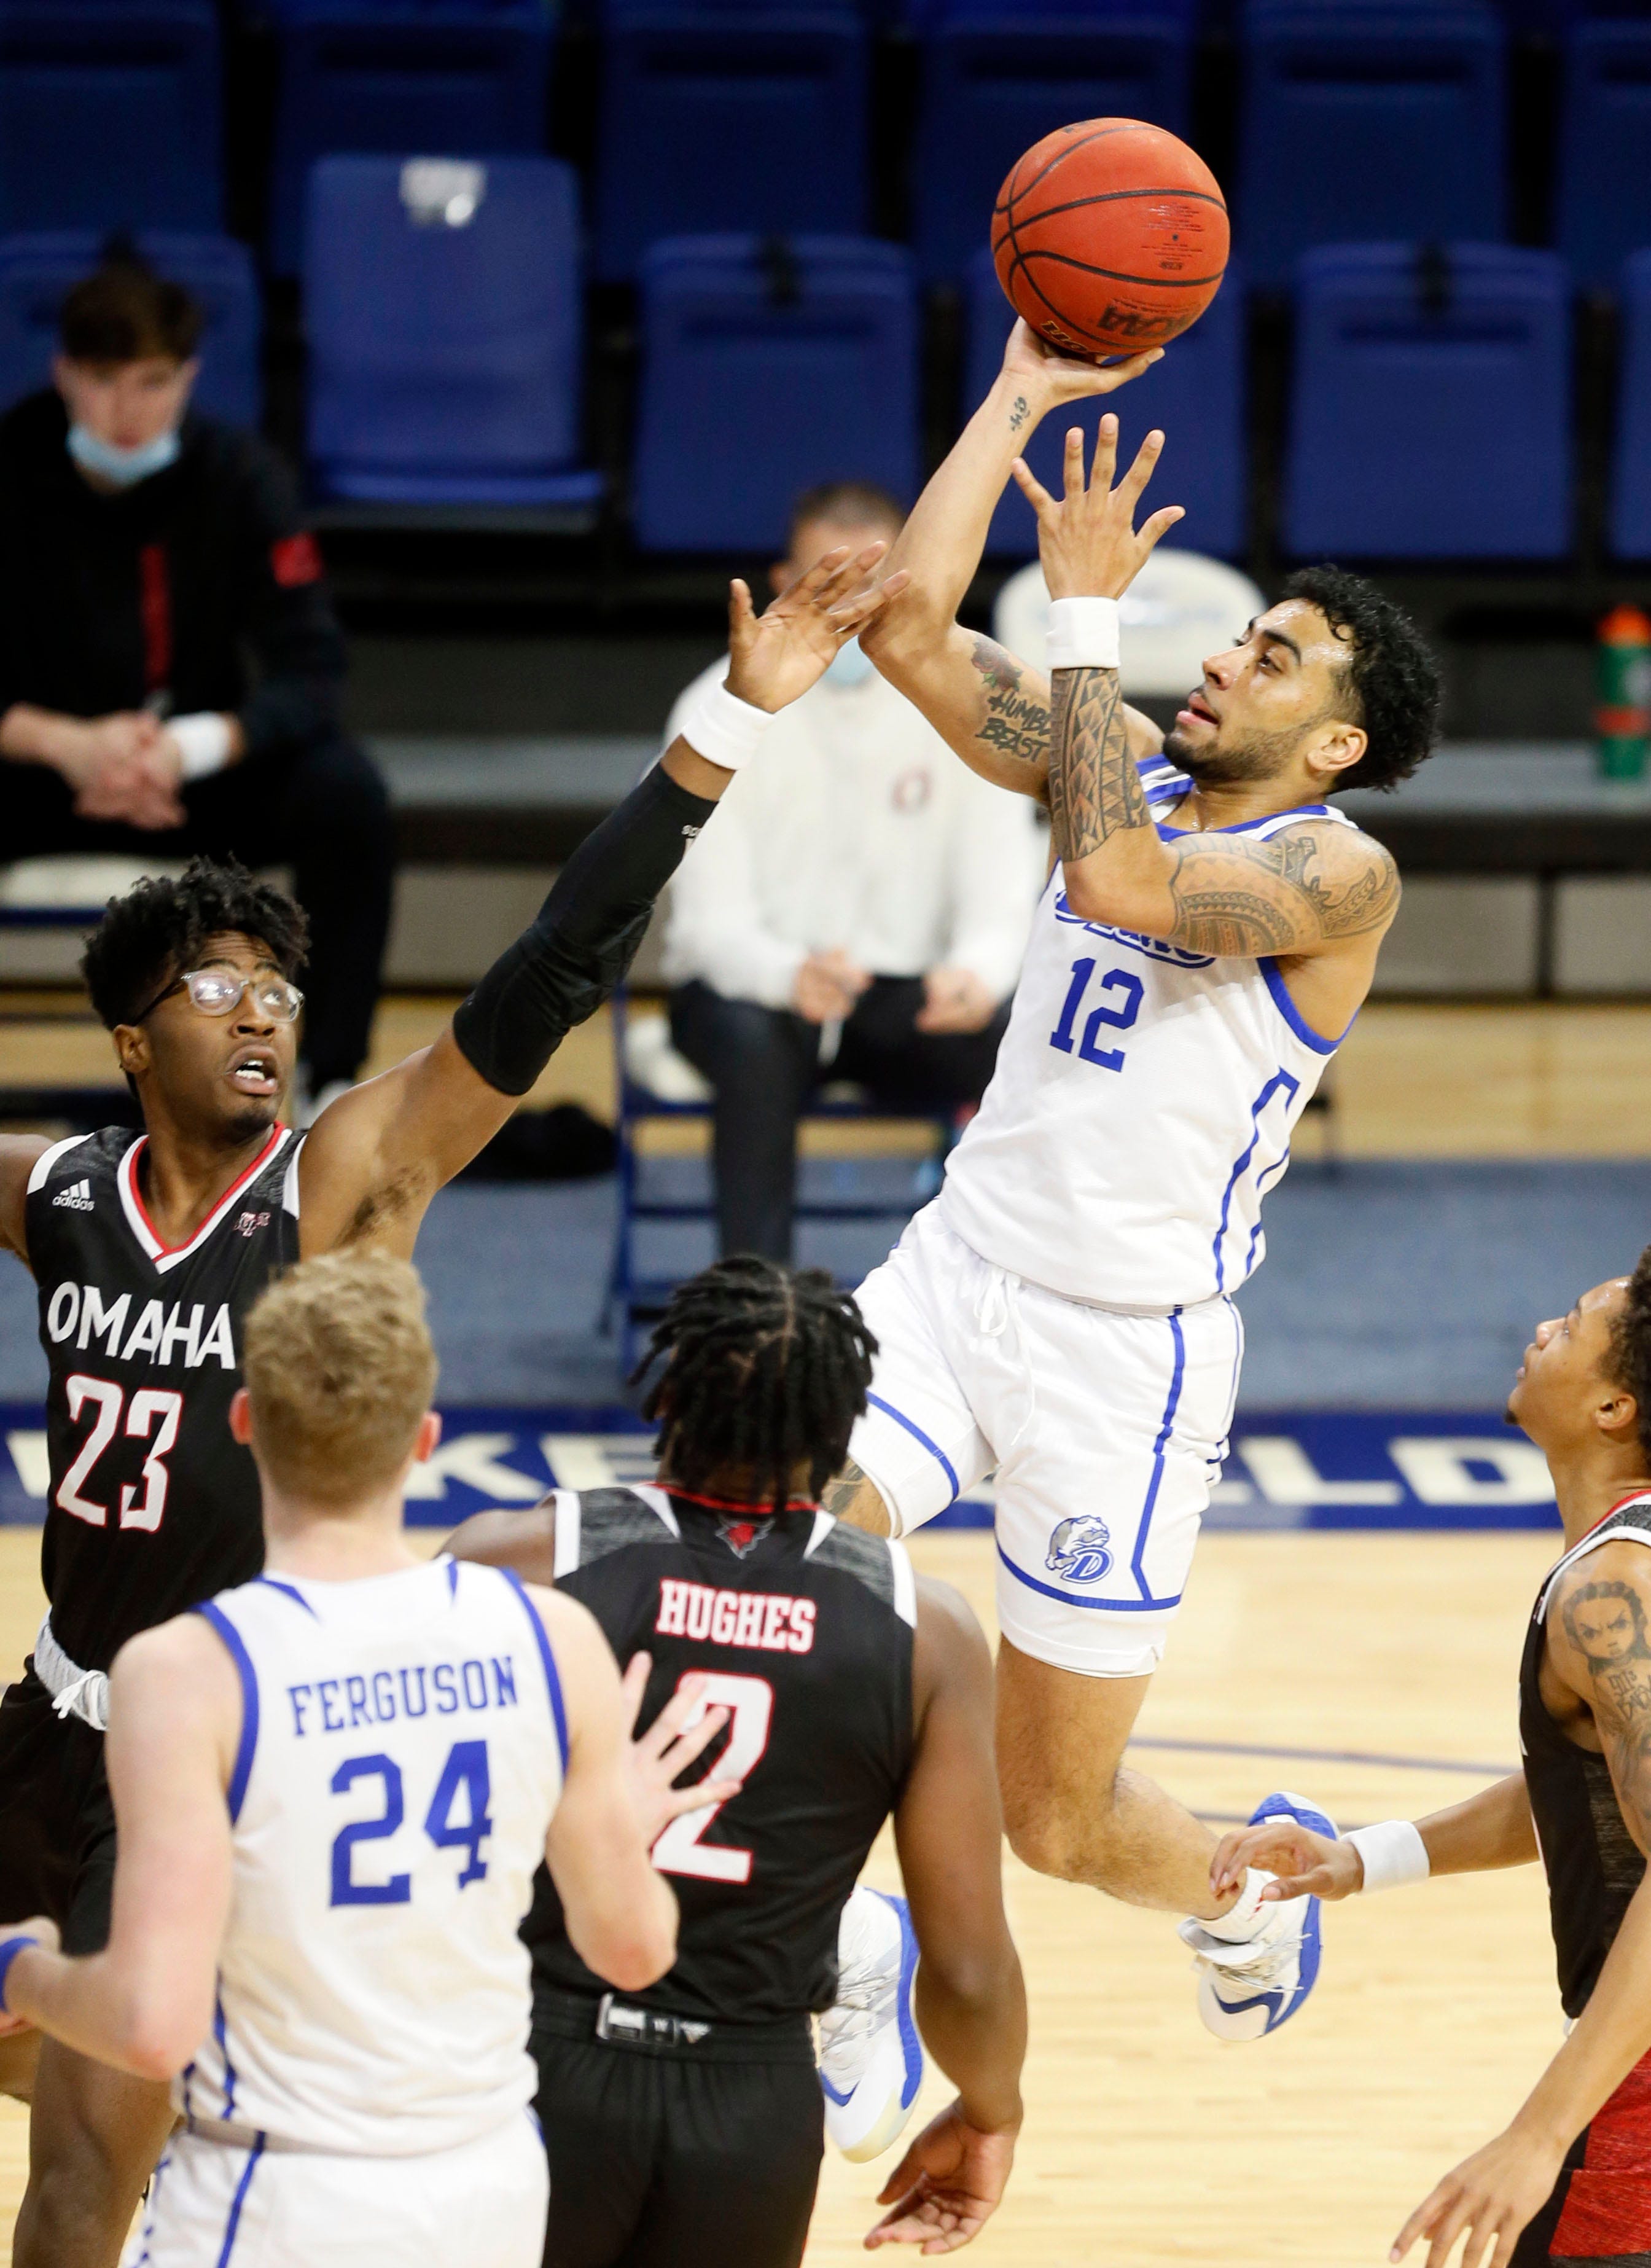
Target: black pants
56, 1819
764, 1062
321, 810
666, 2161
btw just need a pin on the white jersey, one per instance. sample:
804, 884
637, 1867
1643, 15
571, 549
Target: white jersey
1142, 1105
402, 1747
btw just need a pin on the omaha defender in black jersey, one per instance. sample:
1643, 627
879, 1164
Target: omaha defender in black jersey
148, 1249
684, 2124
1568, 2184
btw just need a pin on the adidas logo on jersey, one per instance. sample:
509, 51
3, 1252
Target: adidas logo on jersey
77, 1198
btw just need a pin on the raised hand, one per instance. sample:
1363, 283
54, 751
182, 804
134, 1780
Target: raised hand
682, 1732
1302, 1860
1052, 376
776, 656
1487, 2199
1087, 538
946, 2188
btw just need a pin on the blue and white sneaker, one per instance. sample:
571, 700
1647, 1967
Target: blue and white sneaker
870, 2058
1248, 1987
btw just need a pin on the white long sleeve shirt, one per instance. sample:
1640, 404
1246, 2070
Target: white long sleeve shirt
853, 826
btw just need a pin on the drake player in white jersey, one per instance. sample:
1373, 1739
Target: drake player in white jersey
1062, 1310
334, 1785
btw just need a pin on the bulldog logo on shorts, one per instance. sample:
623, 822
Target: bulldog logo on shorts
1078, 1549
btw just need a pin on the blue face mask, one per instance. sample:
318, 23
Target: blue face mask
852, 667
124, 467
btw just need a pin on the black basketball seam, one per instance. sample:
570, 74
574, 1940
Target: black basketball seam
1121, 275
1114, 196
1100, 134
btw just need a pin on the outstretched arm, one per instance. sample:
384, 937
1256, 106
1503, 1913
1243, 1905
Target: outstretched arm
1491, 1829
990, 708
379, 1154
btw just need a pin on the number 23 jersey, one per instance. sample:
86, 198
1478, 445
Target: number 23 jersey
1141, 1108
152, 1505
804, 1630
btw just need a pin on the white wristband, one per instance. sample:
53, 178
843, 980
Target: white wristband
203, 742
1394, 1854
725, 730
1083, 633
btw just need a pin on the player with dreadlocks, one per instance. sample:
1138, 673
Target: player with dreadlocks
684, 2124
150, 1248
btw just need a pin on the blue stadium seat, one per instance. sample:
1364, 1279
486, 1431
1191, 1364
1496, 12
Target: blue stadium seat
388, 76
443, 307
1604, 183
766, 369
1630, 506
1196, 395
1431, 409
1374, 120
996, 78
718, 117
36, 271
110, 115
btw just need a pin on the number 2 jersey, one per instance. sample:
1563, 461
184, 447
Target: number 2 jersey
804, 1629
1141, 1108
402, 1744
152, 1505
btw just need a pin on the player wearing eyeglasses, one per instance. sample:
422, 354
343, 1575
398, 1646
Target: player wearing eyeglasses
150, 1247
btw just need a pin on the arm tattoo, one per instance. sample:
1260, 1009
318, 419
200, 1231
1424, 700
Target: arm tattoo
1019, 414
1605, 1622
1095, 790
1017, 723
1299, 890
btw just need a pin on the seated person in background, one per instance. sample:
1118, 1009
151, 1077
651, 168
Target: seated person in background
859, 913
149, 550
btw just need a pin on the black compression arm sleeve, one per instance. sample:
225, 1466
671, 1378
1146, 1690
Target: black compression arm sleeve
561, 970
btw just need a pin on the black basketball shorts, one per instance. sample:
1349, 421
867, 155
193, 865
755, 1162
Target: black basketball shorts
676, 2160
56, 1820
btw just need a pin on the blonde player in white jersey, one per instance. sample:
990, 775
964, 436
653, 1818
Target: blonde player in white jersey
1062, 1312
333, 1786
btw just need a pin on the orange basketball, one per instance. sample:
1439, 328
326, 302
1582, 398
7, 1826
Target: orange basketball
1110, 236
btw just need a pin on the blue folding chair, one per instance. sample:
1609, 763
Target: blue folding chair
1629, 510
366, 77
1603, 198
1431, 417
37, 271
1375, 120
1196, 395
767, 368
729, 116
445, 319
652, 1200
110, 115
996, 78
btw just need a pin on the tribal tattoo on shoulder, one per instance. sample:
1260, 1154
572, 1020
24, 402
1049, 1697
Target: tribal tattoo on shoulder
1236, 897
1606, 1623
1017, 722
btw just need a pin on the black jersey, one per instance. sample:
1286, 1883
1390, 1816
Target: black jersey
805, 1629
1593, 1864
152, 1505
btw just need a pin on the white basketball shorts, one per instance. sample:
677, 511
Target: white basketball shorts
1107, 1431
215, 2205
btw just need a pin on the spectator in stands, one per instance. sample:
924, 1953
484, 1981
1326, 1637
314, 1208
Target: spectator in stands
149, 552
858, 912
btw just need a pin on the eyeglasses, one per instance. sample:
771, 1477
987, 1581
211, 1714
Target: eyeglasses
219, 992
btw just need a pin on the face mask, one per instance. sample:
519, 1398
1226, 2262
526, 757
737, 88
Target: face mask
124, 467
852, 667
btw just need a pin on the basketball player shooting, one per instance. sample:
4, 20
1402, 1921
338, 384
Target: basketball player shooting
1566, 2182
149, 1250
1062, 1310
334, 1785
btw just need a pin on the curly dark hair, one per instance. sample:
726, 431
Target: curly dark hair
1631, 1345
765, 1367
1391, 678
152, 934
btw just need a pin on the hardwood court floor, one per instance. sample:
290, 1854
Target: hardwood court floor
1413, 1081
1145, 2142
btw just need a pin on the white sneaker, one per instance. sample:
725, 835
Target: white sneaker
1248, 1987
870, 2058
